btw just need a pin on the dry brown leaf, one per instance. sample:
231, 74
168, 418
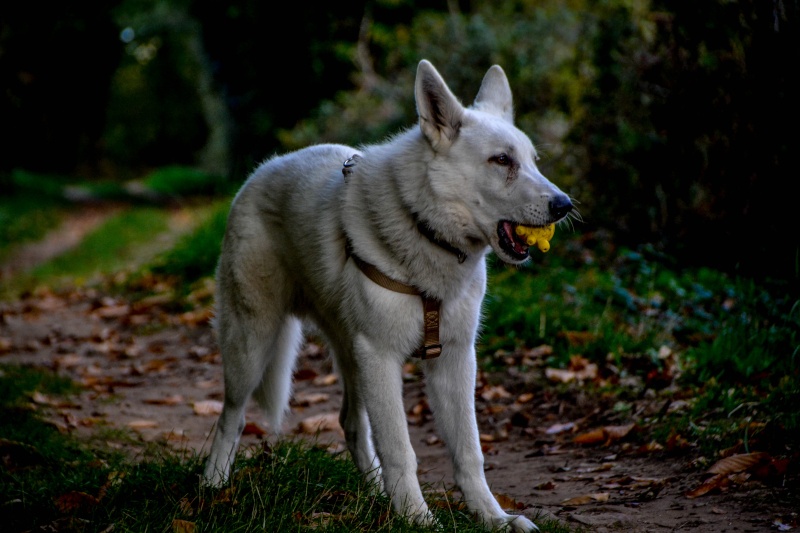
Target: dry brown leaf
252, 428
508, 503
497, 392
718, 481
173, 399
587, 498
618, 432
304, 399
74, 501
207, 407
182, 526
525, 397
319, 423
559, 375
738, 463
326, 380
650, 447
142, 424
599, 468
547, 485
591, 437
540, 351
5, 345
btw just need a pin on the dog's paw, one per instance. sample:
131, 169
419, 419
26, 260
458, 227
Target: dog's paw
515, 523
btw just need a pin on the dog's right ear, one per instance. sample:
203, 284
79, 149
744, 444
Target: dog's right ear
440, 112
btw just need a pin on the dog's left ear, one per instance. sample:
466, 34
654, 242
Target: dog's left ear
440, 112
494, 96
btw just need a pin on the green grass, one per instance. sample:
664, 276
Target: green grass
179, 181
116, 245
30, 206
738, 342
52, 481
195, 254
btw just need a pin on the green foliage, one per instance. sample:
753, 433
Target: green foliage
114, 246
30, 206
178, 181
737, 340
195, 255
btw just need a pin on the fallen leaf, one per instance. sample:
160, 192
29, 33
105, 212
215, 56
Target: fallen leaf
74, 501
587, 498
508, 503
326, 380
182, 526
207, 407
142, 424
319, 423
310, 398
525, 397
547, 485
5, 345
173, 399
738, 463
591, 437
253, 429
718, 481
497, 392
617, 432
599, 468
559, 375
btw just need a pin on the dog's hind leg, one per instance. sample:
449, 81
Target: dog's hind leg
355, 423
257, 365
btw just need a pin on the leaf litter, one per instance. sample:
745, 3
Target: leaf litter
555, 440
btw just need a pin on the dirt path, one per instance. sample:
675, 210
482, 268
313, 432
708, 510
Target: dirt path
158, 375
69, 233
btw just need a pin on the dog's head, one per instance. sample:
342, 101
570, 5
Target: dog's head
483, 173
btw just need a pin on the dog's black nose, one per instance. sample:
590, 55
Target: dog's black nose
560, 206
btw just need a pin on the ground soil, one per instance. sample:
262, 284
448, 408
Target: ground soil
158, 375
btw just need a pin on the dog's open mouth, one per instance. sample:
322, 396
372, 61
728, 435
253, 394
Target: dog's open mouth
515, 246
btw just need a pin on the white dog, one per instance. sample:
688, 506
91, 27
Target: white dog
384, 249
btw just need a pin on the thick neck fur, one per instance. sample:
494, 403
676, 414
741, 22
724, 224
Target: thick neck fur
388, 185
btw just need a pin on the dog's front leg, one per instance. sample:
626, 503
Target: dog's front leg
381, 383
450, 385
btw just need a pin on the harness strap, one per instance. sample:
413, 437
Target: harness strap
431, 347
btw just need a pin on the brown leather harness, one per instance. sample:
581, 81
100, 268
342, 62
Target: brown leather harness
431, 347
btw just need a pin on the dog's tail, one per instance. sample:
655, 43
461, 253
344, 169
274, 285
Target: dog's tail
273, 392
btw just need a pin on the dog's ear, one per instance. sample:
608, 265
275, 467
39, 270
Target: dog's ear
440, 112
494, 96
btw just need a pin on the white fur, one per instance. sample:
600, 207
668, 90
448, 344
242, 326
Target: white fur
284, 260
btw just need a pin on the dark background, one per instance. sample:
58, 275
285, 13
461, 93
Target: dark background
672, 125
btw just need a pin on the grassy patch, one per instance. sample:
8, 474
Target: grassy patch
179, 181
30, 206
50, 481
115, 245
736, 342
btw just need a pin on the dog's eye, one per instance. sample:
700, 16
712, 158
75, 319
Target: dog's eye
501, 159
